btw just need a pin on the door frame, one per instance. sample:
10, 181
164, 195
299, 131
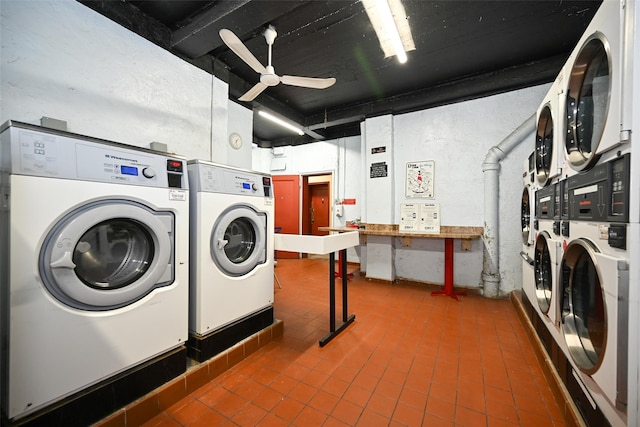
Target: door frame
305, 201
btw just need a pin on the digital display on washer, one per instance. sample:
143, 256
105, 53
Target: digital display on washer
129, 170
246, 186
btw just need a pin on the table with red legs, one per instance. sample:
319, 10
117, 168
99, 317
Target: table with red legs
448, 233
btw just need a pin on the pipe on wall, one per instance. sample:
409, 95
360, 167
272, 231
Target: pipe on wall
491, 170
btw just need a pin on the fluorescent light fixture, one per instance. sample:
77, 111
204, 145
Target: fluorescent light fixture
392, 27
281, 122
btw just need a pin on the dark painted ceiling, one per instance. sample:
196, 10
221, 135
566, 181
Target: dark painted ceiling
464, 50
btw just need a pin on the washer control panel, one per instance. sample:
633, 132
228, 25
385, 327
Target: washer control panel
602, 193
41, 152
213, 178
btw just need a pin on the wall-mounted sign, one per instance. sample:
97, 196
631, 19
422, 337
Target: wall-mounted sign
378, 170
376, 150
349, 201
420, 217
419, 179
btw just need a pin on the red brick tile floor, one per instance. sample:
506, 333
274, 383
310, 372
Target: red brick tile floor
409, 359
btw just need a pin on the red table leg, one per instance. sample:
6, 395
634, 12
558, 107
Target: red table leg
448, 272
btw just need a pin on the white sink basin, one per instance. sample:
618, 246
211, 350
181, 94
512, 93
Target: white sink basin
316, 244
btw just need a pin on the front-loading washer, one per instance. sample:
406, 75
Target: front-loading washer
595, 280
527, 216
232, 256
95, 291
547, 255
593, 91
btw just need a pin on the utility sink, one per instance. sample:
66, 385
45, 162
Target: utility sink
316, 244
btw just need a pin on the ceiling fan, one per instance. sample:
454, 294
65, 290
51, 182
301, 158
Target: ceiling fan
268, 77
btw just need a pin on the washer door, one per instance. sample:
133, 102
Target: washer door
108, 254
543, 271
587, 103
584, 318
544, 146
525, 216
239, 240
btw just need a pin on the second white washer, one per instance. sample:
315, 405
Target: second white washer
231, 248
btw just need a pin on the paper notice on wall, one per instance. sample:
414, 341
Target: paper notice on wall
420, 217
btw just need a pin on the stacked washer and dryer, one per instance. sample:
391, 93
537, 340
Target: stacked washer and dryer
585, 216
547, 247
232, 256
94, 274
527, 216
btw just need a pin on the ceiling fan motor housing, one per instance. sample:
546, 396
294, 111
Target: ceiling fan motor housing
269, 78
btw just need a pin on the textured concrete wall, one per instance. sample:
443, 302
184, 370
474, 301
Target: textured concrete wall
61, 59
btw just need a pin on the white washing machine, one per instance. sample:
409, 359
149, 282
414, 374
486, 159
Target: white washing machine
595, 313
593, 91
232, 234
547, 255
595, 278
95, 244
527, 216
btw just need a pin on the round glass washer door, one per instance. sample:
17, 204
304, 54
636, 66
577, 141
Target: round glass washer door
587, 102
525, 216
584, 317
543, 272
108, 254
239, 240
544, 146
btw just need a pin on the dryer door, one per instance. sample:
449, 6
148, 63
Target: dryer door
239, 240
108, 254
545, 147
587, 102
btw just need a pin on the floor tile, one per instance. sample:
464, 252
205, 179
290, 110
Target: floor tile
409, 359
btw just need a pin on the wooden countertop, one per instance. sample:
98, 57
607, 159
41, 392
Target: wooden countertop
446, 231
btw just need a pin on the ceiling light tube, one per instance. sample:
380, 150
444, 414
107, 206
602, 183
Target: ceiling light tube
392, 30
281, 122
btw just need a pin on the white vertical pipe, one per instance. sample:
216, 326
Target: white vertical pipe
491, 169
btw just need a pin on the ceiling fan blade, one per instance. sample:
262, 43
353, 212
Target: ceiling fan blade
311, 82
236, 45
253, 92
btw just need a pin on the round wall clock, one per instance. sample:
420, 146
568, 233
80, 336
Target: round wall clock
235, 140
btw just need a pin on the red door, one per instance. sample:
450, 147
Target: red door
319, 195
286, 193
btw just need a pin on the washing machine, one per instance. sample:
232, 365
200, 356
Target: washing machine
593, 92
94, 239
547, 253
527, 216
595, 280
232, 256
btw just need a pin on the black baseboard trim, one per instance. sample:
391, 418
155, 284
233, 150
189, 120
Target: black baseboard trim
201, 348
96, 402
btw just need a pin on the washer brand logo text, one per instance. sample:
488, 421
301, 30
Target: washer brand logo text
109, 156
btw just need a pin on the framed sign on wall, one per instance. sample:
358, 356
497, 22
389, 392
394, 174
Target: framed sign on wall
419, 179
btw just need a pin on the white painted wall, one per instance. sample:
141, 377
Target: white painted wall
61, 59
240, 121
457, 137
